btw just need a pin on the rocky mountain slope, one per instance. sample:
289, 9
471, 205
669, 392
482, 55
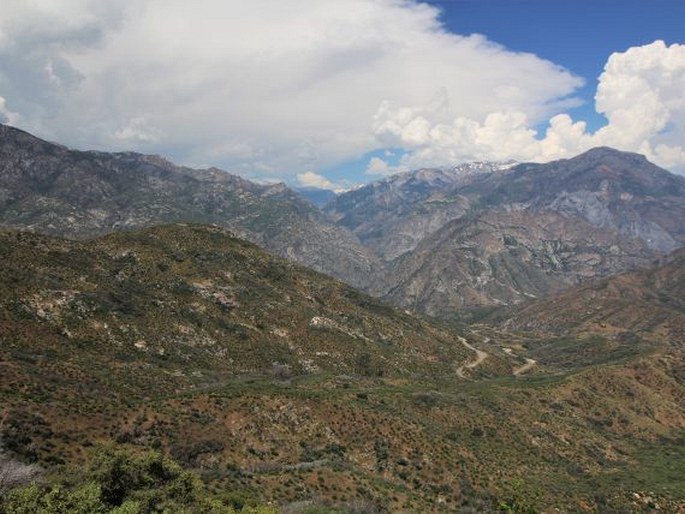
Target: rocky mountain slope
607, 188
503, 258
487, 234
50, 189
410, 238
393, 215
280, 385
649, 302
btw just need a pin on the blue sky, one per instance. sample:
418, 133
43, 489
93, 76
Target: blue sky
576, 34
333, 94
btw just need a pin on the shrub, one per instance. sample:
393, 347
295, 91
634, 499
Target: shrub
521, 500
150, 478
33, 499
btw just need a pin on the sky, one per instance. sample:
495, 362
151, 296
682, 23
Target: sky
333, 94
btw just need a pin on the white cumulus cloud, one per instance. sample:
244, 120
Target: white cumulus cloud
7, 116
378, 166
313, 179
268, 88
640, 93
265, 87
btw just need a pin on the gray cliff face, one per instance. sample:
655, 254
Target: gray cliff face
605, 187
408, 231
596, 208
50, 189
588, 205
504, 257
393, 215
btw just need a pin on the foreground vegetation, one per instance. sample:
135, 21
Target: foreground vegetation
123, 482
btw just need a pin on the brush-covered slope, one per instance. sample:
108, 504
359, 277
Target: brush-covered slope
51, 189
649, 302
608, 321
280, 385
196, 298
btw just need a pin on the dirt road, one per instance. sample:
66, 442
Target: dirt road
480, 357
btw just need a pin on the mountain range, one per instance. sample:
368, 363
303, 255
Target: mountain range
393, 215
492, 234
445, 242
410, 239
47, 188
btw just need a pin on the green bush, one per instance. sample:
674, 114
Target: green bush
149, 478
521, 500
32, 499
122, 482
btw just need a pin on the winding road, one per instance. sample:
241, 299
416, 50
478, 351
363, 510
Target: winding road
522, 369
480, 357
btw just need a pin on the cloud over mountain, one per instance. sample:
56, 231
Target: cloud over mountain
640, 94
312, 179
261, 87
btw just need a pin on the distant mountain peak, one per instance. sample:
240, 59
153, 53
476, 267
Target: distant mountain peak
599, 152
446, 173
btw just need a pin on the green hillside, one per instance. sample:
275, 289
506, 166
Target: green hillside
277, 385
